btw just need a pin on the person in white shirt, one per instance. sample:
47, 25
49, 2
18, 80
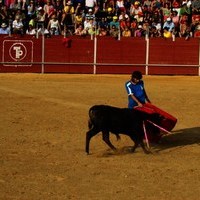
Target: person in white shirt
54, 26
31, 30
17, 25
90, 4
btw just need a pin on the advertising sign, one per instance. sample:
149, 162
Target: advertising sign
17, 53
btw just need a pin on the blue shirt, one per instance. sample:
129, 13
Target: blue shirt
169, 25
137, 90
4, 30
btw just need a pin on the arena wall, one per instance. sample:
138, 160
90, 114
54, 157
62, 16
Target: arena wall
101, 55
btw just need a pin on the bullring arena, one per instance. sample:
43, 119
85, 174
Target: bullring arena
42, 140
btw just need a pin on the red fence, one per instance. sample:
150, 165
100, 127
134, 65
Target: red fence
103, 55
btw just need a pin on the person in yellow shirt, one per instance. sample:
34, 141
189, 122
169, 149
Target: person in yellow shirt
68, 14
167, 33
126, 32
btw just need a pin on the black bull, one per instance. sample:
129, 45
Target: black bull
106, 119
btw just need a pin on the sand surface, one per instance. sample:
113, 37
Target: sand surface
43, 121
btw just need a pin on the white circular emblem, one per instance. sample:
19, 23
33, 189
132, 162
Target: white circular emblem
18, 51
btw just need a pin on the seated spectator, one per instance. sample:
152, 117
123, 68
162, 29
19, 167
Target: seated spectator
103, 31
4, 29
114, 32
109, 15
156, 16
126, 32
17, 26
133, 26
93, 31
184, 30
31, 11
59, 9
103, 23
156, 4
139, 32
167, 33
194, 24
176, 6
90, 14
122, 24
54, 26
80, 31
114, 22
185, 10
110, 4
4, 14
147, 13
175, 19
40, 18
78, 19
154, 32
48, 10
127, 5
22, 16
123, 16
195, 18
169, 24
147, 3
197, 31
136, 11
166, 11
195, 6
146, 26
88, 23
120, 6
31, 30
32, 22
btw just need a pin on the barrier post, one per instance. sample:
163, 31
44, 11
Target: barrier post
199, 59
43, 51
147, 55
95, 54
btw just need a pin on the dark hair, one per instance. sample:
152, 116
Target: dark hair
137, 75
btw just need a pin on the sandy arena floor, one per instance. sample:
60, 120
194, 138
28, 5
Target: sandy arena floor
42, 140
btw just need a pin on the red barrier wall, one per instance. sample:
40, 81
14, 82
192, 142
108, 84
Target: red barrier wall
179, 52
80, 50
76, 55
124, 51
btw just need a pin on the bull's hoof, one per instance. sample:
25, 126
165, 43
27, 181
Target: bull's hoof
132, 150
148, 151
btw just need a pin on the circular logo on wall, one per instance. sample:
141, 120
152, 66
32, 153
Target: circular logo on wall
17, 51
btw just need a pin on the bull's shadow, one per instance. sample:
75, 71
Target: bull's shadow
176, 139
179, 138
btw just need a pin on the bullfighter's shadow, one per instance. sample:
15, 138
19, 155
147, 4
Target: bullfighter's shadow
177, 139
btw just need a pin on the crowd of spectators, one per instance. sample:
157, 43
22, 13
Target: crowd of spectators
116, 18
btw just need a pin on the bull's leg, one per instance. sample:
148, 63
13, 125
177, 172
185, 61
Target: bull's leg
106, 139
136, 143
89, 135
139, 141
